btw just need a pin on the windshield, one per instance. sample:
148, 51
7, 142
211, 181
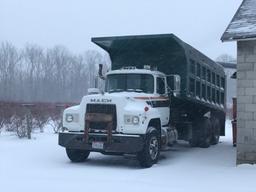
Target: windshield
130, 83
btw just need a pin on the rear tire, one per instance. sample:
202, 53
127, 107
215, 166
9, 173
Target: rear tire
205, 133
77, 155
215, 131
201, 133
194, 140
150, 153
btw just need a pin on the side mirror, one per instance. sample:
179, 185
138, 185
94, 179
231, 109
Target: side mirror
173, 82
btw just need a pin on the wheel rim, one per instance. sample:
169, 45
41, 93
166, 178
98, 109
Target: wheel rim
153, 148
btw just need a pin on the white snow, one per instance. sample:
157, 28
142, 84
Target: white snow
41, 165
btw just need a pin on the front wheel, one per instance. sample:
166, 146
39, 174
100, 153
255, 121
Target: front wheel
150, 153
77, 155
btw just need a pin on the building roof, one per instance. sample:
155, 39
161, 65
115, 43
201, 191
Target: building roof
243, 24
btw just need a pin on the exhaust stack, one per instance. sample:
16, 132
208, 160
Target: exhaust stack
100, 72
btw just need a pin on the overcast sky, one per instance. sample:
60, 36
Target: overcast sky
73, 22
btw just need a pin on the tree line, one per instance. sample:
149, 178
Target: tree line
35, 74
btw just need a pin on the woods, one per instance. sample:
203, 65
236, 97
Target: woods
34, 74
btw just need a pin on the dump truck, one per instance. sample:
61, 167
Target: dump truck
159, 90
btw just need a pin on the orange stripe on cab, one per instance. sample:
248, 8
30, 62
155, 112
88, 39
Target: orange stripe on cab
146, 98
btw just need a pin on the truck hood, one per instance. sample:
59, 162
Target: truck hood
126, 105
123, 100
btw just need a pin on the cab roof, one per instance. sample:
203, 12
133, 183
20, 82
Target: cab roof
135, 71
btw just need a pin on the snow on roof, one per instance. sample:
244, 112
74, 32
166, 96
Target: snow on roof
243, 24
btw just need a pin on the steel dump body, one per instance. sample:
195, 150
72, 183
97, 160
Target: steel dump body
167, 53
202, 80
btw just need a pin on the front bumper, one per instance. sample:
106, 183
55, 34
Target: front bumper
120, 143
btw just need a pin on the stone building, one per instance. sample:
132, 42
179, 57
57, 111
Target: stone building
242, 29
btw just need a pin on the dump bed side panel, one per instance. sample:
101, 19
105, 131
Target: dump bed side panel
171, 55
162, 52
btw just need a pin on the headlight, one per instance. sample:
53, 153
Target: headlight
131, 119
72, 117
69, 118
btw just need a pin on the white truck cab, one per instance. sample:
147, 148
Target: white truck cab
138, 113
133, 107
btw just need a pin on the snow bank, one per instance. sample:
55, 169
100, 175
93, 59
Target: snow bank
41, 165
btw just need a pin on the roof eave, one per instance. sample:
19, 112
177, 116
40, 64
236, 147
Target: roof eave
241, 38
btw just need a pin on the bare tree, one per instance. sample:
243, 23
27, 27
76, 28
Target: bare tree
33, 62
226, 58
9, 57
53, 75
92, 59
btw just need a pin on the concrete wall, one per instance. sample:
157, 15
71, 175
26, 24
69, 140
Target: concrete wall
246, 102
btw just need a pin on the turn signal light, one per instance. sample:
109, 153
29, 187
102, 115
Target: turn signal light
146, 109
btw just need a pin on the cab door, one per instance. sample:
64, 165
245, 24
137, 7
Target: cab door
162, 102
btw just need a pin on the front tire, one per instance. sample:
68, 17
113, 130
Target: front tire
150, 153
77, 155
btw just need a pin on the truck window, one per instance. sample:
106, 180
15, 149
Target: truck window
160, 85
130, 83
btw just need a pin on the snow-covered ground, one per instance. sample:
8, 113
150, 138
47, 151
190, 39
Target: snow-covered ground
41, 165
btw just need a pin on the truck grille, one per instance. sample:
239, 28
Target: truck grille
104, 109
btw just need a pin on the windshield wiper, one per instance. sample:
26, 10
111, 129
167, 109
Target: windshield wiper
115, 90
135, 90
